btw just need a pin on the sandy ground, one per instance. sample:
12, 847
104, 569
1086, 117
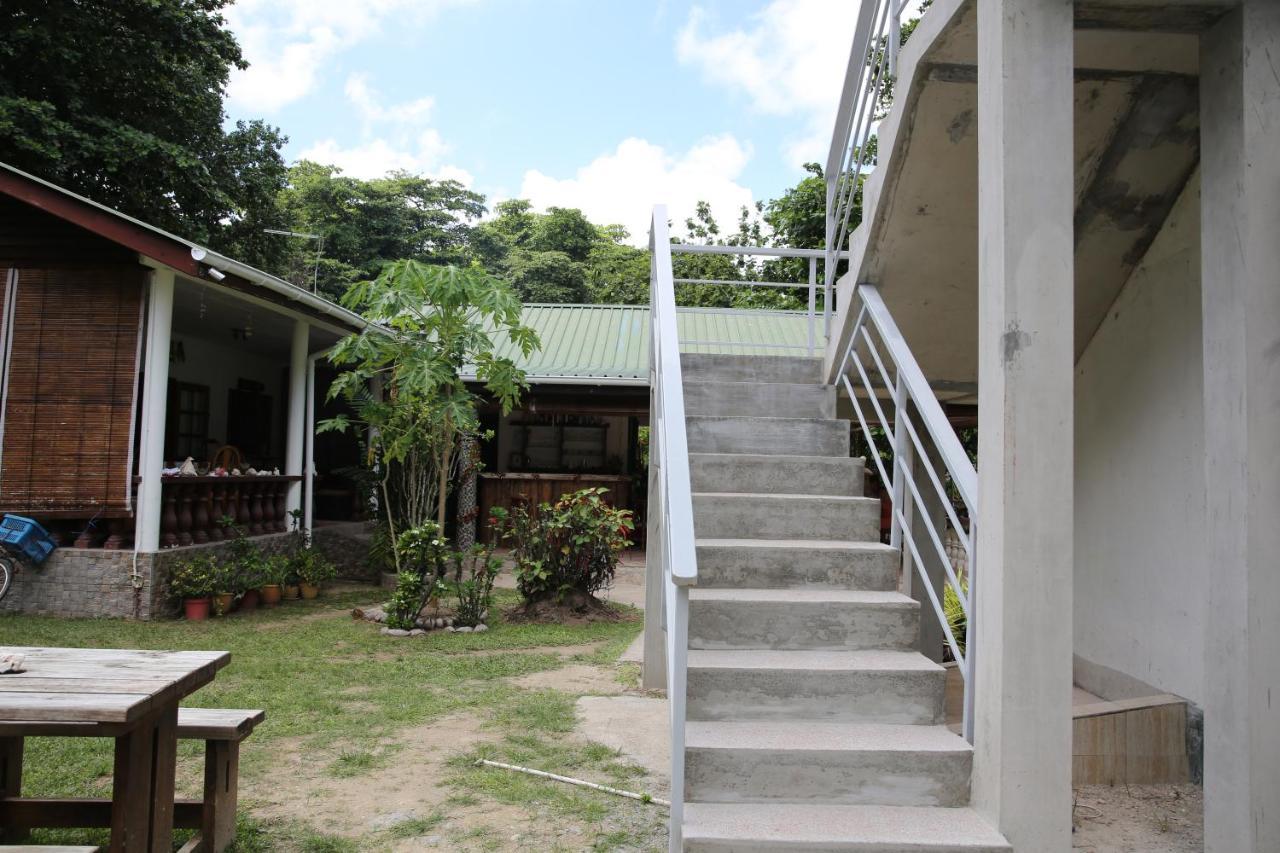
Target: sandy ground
1139, 819
412, 784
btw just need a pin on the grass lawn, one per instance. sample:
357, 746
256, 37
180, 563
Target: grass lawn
358, 722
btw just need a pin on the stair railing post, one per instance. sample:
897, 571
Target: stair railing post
813, 297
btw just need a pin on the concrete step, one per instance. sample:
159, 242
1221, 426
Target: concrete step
796, 563
830, 763
750, 368
786, 827
753, 399
801, 619
764, 473
720, 515
870, 686
768, 436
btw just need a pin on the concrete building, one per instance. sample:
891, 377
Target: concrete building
1067, 230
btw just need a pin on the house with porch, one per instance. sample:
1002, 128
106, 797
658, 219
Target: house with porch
128, 351
1068, 219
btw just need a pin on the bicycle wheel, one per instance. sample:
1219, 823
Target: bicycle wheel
6, 574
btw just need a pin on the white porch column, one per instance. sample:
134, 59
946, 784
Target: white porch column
296, 423
1240, 298
1023, 577
155, 394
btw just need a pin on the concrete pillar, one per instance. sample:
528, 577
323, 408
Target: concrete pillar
1240, 295
296, 422
465, 531
151, 420
1023, 577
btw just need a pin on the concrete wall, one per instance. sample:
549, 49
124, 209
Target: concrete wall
1140, 560
95, 582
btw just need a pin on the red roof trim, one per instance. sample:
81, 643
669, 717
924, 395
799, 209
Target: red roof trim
107, 225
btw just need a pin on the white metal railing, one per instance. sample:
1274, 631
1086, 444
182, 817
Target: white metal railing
873, 62
670, 517
815, 287
878, 370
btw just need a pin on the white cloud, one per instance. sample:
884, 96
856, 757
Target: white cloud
392, 137
788, 60
623, 186
289, 42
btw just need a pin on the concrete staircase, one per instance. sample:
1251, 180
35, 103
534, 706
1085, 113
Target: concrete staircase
813, 723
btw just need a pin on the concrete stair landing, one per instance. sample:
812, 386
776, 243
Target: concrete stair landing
812, 722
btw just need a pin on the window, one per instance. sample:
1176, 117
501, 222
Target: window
188, 421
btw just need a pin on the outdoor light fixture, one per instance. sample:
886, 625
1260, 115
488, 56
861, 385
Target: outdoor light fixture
214, 273
198, 254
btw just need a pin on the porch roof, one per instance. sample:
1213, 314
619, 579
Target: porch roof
609, 344
170, 250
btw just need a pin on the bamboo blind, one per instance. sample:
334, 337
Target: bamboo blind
70, 391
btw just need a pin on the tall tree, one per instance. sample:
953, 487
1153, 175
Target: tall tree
121, 101
367, 224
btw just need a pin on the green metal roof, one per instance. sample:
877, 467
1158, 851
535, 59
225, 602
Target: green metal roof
602, 344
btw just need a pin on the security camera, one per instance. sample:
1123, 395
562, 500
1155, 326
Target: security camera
215, 274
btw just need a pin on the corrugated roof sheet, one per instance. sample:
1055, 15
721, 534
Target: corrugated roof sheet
605, 343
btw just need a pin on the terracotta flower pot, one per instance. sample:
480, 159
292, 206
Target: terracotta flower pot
249, 601
222, 603
290, 591
271, 595
309, 590
196, 609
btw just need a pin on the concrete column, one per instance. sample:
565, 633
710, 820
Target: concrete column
1240, 295
465, 530
1023, 577
296, 422
151, 421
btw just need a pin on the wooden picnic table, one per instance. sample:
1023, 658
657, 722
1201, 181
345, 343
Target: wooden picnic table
129, 695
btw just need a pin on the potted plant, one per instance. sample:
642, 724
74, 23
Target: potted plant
313, 571
274, 569
193, 580
249, 573
289, 581
224, 589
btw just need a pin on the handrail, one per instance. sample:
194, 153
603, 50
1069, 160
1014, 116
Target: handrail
867, 76
888, 369
671, 498
812, 285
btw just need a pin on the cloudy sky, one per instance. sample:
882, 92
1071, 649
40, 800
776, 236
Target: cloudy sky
607, 105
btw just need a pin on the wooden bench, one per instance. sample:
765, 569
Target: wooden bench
221, 729
45, 848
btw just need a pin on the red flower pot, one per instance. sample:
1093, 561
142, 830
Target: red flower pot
196, 609
249, 601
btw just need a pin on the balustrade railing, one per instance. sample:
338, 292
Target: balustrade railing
670, 518
895, 406
194, 509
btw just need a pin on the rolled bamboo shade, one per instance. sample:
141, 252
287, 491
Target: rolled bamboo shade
71, 384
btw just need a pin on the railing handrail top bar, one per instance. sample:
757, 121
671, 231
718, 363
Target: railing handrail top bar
675, 448
732, 283
848, 93
764, 251
954, 457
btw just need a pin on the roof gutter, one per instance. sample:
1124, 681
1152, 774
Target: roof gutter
282, 287
612, 381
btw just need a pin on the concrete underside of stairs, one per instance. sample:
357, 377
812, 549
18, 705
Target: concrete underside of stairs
812, 722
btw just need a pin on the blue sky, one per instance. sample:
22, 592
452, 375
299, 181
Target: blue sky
611, 105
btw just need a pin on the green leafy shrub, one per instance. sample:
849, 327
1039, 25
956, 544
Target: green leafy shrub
243, 564
570, 550
312, 567
475, 592
277, 568
424, 558
194, 577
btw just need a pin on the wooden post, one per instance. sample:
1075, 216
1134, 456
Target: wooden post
11, 779
221, 775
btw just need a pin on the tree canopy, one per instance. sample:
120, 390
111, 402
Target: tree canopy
121, 101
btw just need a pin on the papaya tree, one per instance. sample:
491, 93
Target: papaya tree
409, 375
